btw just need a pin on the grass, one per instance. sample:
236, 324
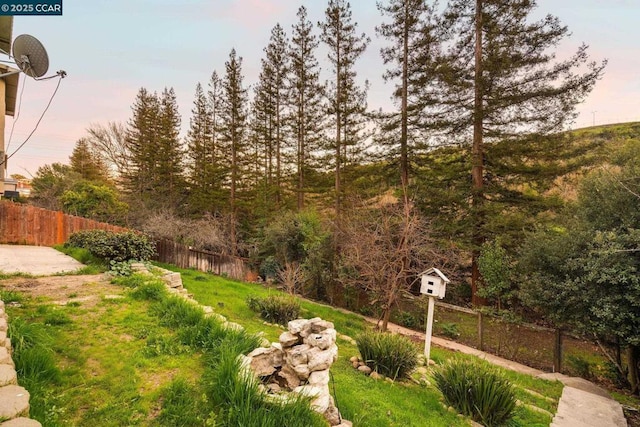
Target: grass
386, 404
167, 356
105, 378
93, 264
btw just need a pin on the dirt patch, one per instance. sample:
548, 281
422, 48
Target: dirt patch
87, 289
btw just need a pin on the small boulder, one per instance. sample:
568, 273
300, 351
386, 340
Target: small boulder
375, 375
287, 339
319, 378
364, 369
296, 326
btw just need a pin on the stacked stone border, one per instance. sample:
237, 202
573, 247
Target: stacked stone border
14, 400
314, 333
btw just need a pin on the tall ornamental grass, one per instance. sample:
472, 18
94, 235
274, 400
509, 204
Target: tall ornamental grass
391, 355
477, 391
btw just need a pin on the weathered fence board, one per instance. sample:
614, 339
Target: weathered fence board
185, 257
29, 225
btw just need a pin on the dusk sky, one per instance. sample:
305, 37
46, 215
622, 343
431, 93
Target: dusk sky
111, 48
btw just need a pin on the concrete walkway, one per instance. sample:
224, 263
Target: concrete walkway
35, 260
582, 404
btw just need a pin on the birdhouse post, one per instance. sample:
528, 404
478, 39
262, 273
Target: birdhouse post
433, 284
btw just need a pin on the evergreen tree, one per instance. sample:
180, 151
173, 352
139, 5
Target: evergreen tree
233, 116
154, 177
347, 101
141, 140
170, 152
305, 100
201, 181
412, 58
504, 83
87, 163
268, 111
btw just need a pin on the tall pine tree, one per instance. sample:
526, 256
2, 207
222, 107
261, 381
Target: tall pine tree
346, 98
504, 83
200, 154
268, 112
412, 59
233, 117
305, 100
170, 152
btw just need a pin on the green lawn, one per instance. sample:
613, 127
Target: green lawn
110, 374
365, 401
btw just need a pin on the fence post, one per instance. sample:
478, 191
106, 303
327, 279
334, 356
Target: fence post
480, 331
557, 351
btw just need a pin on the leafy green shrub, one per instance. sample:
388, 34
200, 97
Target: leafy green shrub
477, 391
113, 246
275, 308
580, 366
269, 268
449, 330
120, 268
390, 355
408, 320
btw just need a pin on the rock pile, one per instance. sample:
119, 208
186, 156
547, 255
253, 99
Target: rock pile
300, 363
14, 400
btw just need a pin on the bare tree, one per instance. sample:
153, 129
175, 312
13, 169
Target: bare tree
385, 248
109, 141
291, 276
208, 233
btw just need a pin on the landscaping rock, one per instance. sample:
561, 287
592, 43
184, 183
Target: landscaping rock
298, 355
302, 371
296, 326
307, 351
5, 357
21, 422
319, 378
290, 377
287, 339
345, 423
323, 340
14, 402
320, 360
375, 375
232, 326
332, 415
364, 369
8, 375
3, 324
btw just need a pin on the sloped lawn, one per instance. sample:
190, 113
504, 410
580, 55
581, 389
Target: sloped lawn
120, 366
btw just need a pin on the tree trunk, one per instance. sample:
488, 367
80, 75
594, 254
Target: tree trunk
385, 319
477, 161
633, 356
404, 163
557, 351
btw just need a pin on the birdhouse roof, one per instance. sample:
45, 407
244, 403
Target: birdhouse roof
439, 273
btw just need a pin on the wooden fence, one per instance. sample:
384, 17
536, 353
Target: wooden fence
186, 257
28, 225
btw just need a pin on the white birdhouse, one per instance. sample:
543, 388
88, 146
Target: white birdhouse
434, 283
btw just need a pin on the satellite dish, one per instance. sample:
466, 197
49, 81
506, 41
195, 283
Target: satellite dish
30, 56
